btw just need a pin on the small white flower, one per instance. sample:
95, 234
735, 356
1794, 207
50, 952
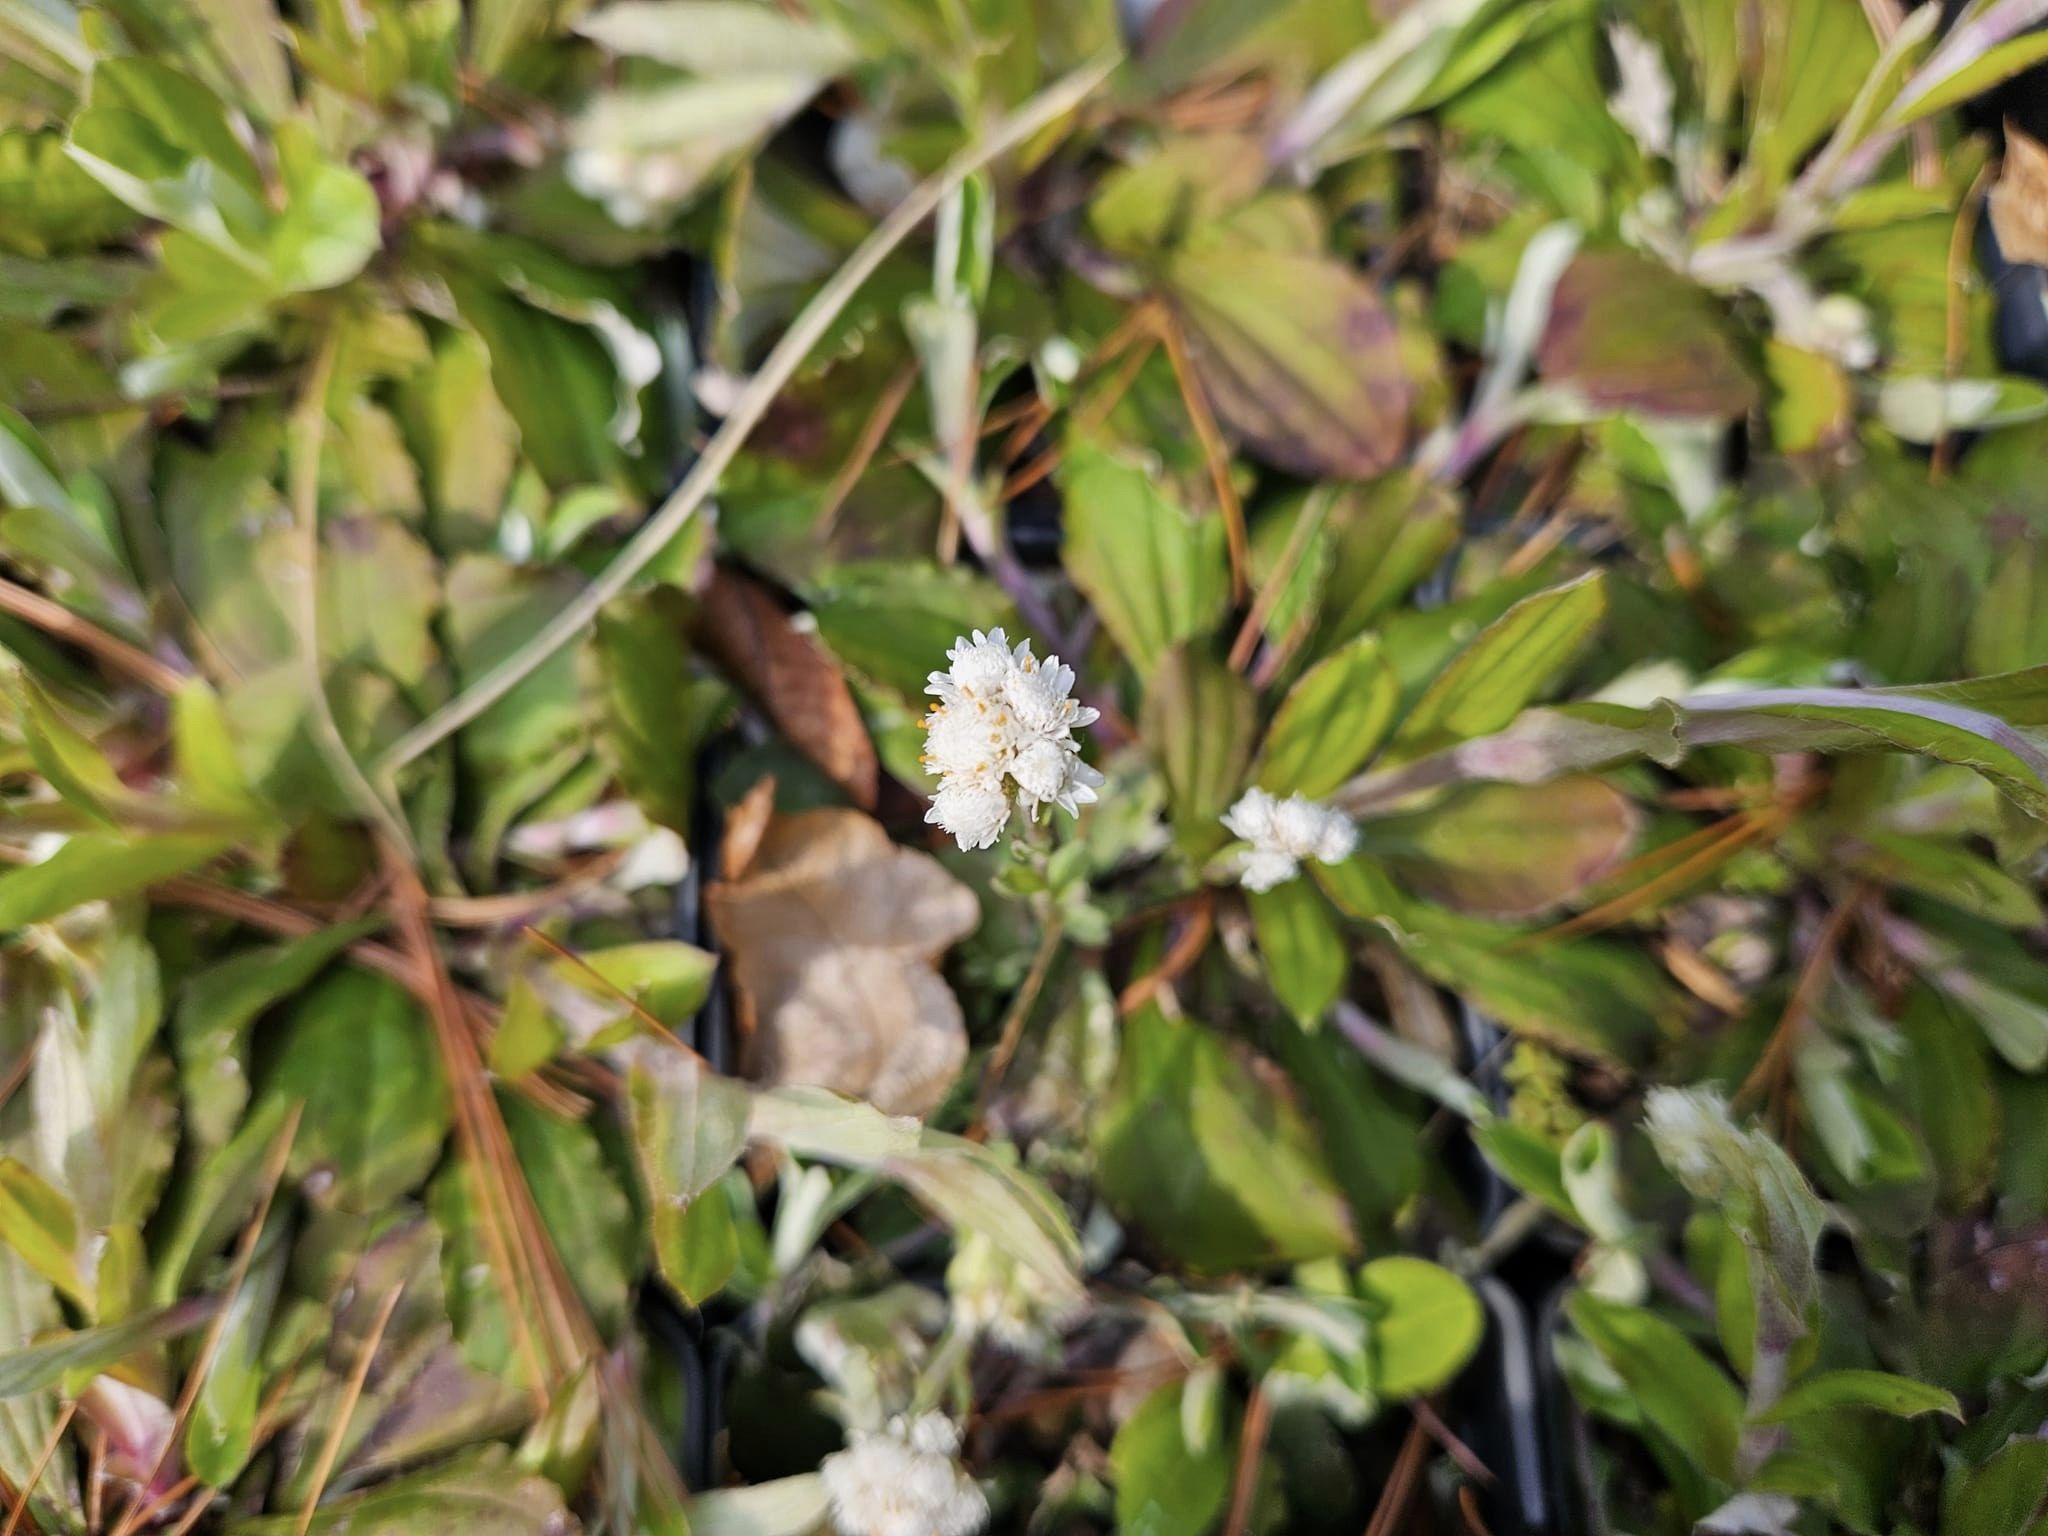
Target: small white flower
1642, 103
974, 811
1282, 833
905, 1480
1003, 718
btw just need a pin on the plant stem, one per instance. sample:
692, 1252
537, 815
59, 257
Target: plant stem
1020, 1011
789, 353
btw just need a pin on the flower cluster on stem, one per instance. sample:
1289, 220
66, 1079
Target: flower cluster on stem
1283, 833
1003, 725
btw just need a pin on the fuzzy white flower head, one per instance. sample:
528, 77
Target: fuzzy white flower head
1003, 719
905, 1480
1283, 833
1644, 100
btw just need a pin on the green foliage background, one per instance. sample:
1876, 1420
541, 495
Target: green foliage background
456, 458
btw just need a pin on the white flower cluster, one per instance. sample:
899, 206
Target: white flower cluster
1003, 718
905, 1480
1285, 832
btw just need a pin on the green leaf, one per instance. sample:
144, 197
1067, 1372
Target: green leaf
477, 1494
527, 1036
1995, 64
38, 1223
1426, 1323
892, 622
687, 1126
657, 714
1832, 1391
1155, 575
1987, 724
668, 979
1505, 667
1303, 949
581, 1203
221, 1004
1164, 1486
90, 1350
1200, 1146
1385, 537
1199, 720
1597, 344
1297, 354
223, 1425
1682, 1393
28, 1315
359, 1054
2000, 1498
1510, 850
99, 866
967, 1185
1759, 1189
1330, 722
1950, 1086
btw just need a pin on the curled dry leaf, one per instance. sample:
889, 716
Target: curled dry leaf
742, 627
2019, 199
834, 933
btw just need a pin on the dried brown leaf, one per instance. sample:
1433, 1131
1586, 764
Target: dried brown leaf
834, 934
742, 627
745, 825
2019, 199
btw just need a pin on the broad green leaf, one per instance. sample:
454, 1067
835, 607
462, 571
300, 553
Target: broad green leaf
969, 1186
527, 1036
477, 1494
1510, 850
220, 1005
90, 1350
1330, 723
1198, 721
99, 866
1527, 1161
1832, 1391
667, 978
212, 1203
1590, 997
39, 1224
1155, 575
1950, 1086
65, 756
1302, 947
1683, 1394
1505, 667
2002, 1497
1386, 536
1200, 1145
893, 623
581, 1203
1598, 346
1165, 1487
1759, 1189
359, 1054
1297, 355
1426, 1323
657, 714
688, 1126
